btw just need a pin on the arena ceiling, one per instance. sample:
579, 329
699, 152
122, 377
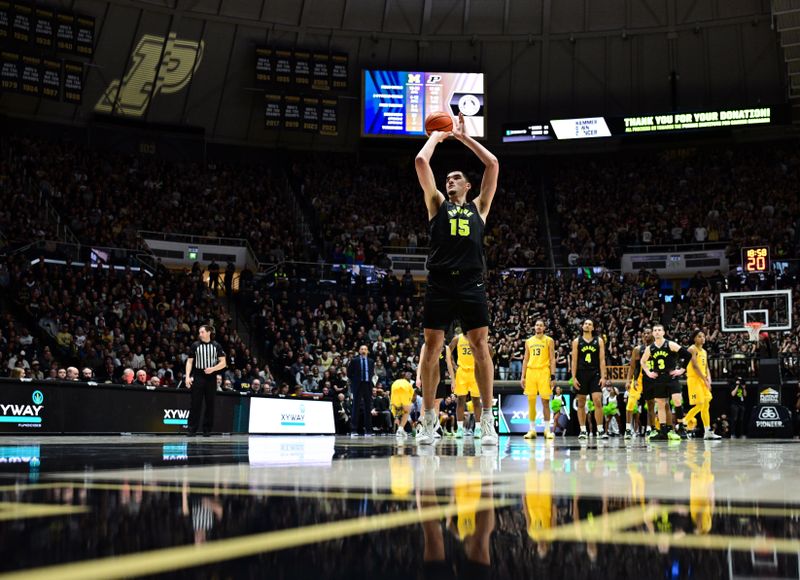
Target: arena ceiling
542, 58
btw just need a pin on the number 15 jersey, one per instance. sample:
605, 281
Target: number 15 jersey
456, 239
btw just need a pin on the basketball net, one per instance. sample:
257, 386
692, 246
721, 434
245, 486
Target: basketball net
752, 330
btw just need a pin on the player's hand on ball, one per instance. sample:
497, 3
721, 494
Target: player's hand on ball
440, 135
459, 130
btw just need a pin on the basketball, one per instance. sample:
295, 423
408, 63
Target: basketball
438, 121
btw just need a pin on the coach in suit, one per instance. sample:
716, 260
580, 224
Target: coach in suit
360, 372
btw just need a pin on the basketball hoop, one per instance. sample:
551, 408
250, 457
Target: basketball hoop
752, 330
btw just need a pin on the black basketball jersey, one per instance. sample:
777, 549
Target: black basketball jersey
456, 238
662, 361
588, 355
443, 365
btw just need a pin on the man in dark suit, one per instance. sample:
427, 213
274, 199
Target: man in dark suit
360, 372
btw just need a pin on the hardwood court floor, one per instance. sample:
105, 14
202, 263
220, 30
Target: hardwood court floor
335, 507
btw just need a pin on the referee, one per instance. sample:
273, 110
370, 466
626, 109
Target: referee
206, 359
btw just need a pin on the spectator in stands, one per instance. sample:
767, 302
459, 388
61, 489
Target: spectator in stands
128, 376
381, 414
154, 382
72, 374
36, 372
340, 411
87, 374
141, 378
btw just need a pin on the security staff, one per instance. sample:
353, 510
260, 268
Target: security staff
206, 359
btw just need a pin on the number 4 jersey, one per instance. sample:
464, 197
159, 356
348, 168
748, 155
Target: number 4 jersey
456, 239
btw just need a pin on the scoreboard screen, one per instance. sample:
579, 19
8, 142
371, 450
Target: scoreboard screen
395, 103
755, 260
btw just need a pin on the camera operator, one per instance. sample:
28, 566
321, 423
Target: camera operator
738, 398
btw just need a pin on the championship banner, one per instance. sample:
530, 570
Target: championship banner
44, 28
339, 73
31, 75
264, 66
330, 121
291, 112
51, 79
273, 113
283, 67
320, 72
310, 114
22, 22
9, 71
65, 32
302, 69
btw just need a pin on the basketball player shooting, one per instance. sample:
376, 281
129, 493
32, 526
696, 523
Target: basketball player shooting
456, 287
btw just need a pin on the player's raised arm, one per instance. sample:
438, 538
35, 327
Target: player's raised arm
490, 173
433, 197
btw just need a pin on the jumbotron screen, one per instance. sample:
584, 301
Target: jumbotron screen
397, 102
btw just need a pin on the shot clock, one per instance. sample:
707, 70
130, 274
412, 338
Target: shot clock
755, 260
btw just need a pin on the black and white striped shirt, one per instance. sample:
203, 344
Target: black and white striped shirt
206, 354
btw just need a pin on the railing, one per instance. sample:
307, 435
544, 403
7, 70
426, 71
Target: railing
691, 247
727, 367
193, 239
110, 256
418, 251
201, 240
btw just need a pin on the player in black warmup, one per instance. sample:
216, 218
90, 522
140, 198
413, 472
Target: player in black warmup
660, 363
588, 372
456, 264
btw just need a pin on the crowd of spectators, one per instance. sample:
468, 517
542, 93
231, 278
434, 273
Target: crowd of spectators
107, 198
120, 326
366, 210
741, 195
22, 216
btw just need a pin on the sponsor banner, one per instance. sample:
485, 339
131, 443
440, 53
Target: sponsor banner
767, 421
769, 396
514, 413
60, 407
297, 416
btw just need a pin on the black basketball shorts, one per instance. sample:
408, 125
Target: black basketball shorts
590, 382
452, 295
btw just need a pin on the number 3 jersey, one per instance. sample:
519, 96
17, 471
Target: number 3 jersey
662, 361
456, 233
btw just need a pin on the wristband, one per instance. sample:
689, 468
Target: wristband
552, 377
